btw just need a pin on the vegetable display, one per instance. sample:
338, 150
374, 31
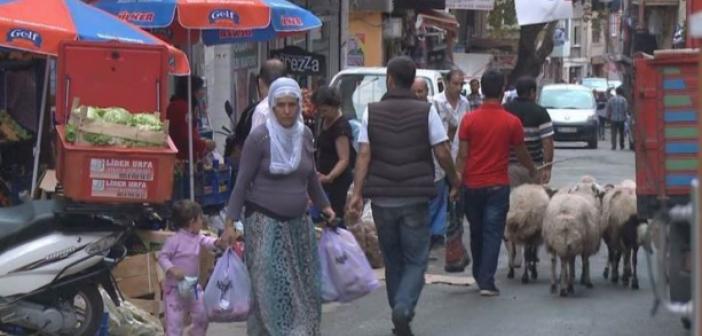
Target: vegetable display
115, 126
10, 130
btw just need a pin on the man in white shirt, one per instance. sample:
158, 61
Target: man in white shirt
271, 70
450, 105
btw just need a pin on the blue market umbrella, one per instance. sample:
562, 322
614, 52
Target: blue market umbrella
218, 24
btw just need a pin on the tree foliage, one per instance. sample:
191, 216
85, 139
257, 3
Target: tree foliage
535, 43
503, 15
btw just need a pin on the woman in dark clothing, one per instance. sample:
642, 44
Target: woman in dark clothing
335, 155
177, 115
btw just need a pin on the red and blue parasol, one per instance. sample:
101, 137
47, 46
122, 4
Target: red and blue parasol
38, 26
220, 21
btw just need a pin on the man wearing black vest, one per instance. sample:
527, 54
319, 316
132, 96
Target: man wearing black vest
394, 168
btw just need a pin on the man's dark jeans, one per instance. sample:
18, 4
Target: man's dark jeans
601, 126
404, 236
486, 210
617, 128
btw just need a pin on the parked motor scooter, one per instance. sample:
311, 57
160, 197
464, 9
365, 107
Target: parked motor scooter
53, 257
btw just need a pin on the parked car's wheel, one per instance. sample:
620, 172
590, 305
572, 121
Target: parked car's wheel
687, 324
592, 144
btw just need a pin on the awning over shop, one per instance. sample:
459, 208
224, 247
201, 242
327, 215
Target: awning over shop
438, 19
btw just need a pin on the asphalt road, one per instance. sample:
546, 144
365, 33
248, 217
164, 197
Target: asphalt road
520, 310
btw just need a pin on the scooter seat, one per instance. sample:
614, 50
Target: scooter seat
25, 220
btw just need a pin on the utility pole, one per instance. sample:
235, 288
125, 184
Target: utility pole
344, 33
607, 37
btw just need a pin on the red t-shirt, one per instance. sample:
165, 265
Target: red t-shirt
177, 115
490, 132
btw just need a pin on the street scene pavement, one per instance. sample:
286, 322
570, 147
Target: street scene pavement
520, 310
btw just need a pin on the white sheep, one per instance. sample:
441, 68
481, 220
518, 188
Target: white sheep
527, 205
589, 187
570, 229
620, 217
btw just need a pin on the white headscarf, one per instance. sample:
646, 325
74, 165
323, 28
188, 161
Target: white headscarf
286, 142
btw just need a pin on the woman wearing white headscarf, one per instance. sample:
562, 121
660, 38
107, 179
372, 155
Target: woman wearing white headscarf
276, 179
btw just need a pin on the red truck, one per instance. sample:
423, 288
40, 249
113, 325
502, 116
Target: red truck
666, 104
666, 131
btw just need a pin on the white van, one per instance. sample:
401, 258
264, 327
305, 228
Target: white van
361, 86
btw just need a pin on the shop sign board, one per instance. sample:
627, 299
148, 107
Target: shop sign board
300, 61
476, 5
121, 178
244, 55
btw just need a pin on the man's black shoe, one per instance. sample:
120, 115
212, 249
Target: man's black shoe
437, 241
401, 320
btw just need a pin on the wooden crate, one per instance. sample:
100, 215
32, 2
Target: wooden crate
139, 279
154, 240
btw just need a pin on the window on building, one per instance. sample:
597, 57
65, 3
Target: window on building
596, 31
576, 34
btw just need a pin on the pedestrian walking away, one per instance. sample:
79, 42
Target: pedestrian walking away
335, 154
276, 179
617, 112
394, 169
601, 114
538, 137
486, 137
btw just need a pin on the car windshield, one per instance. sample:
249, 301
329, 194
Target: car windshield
615, 84
595, 83
359, 90
567, 99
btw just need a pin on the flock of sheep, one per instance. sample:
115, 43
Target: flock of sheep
571, 223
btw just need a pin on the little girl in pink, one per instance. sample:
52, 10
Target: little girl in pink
180, 258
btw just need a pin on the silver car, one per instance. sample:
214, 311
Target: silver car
573, 111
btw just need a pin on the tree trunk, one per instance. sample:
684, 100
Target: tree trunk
534, 48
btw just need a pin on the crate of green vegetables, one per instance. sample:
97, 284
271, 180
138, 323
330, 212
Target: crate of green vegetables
117, 127
109, 155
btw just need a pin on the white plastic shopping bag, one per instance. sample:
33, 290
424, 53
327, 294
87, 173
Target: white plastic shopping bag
346, 273
329, 293
228, 293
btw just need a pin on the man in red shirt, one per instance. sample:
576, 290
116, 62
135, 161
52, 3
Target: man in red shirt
486, 136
